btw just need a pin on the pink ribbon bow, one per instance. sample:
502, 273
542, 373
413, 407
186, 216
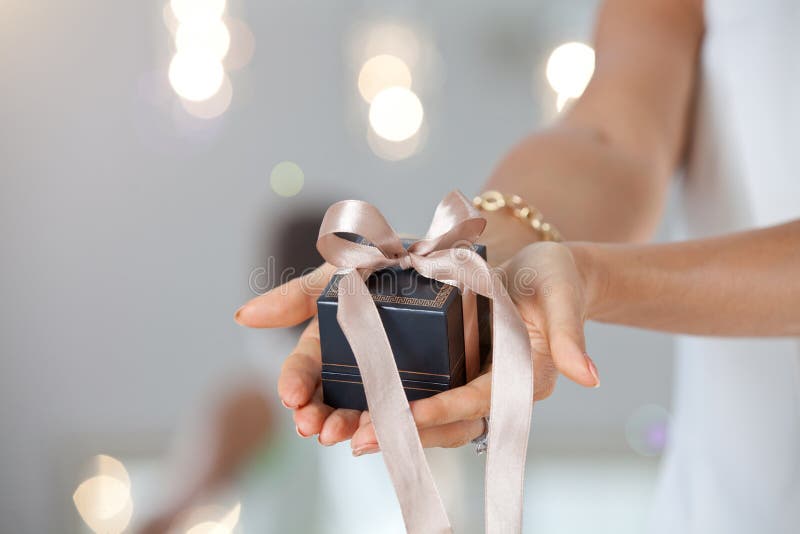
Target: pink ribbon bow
441, 256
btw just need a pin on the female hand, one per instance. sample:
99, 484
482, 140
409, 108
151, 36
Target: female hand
299, 384
551, 294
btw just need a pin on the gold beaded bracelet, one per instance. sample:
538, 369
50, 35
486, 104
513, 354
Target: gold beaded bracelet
521, 210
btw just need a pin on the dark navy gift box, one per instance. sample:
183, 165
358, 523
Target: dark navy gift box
424, 323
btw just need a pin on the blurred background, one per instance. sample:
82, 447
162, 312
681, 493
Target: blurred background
155, 154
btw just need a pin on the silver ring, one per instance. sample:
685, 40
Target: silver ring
482, 442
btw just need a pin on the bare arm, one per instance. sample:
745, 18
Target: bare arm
744, 284
601, 173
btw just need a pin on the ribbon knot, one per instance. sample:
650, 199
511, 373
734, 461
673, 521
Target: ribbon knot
405, 261
440, 255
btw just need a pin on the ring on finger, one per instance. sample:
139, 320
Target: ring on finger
481, 443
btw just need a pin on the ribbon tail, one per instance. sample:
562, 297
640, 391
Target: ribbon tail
509, 425
472, 356
398, 438
512, 385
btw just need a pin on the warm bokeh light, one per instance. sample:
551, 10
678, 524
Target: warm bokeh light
393, 150
110, 466
195, 76
187, 10
569, 69
226, 525
203, 37
286, 179
381, 72
104, 500
209, 527
396, 113
214, 106
561, 101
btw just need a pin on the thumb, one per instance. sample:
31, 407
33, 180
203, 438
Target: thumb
288, 304
564, 323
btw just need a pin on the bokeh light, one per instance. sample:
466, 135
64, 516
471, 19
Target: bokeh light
212, 107
394, 150
646, 429
396, 113
195, 76
188, 10
569, 69
225, 525
203, 40
203, 37
561, 101
287, 179
104, 500
380, 72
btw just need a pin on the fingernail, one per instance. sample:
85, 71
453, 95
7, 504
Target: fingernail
319, 440
238, 314
297, 429
593, 370
287, 406
365, 449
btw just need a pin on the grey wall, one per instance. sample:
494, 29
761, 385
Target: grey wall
128, 230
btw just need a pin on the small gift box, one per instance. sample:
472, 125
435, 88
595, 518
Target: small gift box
387, 325
424, 322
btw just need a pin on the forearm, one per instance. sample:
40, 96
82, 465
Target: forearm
602, 172
589, 188
745, 284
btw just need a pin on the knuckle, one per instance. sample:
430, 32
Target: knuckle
478, 403
455, 440
334, 427
431, 412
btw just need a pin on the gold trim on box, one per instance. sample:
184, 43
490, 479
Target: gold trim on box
455, 368
361, 383
437, 302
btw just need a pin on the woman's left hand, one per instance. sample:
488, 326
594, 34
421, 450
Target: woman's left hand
552, 293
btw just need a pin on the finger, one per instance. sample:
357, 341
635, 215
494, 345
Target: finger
563, 317
302, 369
469, 402
310, 418
365, 418
364, 436
287, 304
450, 435
339, 426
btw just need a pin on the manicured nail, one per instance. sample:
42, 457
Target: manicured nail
297, 429
287, 406
593, 370
365, 449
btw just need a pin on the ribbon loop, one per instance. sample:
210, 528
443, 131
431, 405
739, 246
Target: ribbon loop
445, 255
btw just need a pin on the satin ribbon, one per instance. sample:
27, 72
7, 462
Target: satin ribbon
442, 255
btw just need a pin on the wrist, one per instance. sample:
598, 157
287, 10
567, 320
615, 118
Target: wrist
511, 223
595, 274
504, 236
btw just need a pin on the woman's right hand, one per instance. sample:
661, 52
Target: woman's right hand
299, 384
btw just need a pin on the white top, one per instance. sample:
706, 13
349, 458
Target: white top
733, 462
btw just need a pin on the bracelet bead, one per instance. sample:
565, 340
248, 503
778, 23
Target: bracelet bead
519, 209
